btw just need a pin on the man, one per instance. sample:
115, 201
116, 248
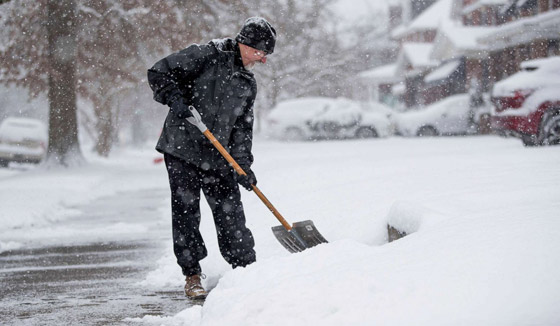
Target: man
216, 79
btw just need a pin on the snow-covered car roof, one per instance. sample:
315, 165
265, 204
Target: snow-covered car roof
449, 103
535, 74
341, 110
18, 129
457, 105
296, 109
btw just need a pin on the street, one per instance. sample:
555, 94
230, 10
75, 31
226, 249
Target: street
94, 280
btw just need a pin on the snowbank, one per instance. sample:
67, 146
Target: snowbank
455, 275
409, 217
36, 198
482, 249
483, 213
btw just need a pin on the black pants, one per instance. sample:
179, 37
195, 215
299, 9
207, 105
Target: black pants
222, 193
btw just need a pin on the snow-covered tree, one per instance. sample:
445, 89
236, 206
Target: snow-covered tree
38, 52
112, 43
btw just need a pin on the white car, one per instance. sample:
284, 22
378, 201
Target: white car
289, 120
326, 118
450, 116
22, 140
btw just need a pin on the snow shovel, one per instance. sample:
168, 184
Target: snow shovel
296, 238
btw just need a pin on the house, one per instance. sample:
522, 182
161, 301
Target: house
471, 44
379, 82
457, 42
528, 29
417, 41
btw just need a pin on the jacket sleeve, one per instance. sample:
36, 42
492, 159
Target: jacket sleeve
173, 75
241, 142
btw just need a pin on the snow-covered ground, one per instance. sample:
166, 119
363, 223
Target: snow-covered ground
482, 213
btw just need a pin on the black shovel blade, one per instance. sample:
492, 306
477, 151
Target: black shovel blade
303, 235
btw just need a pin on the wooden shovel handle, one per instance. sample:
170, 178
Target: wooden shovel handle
240, 171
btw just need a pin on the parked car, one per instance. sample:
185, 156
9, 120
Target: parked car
527, 103
327, 118
22, 140
350, 119
450, 116
289, 120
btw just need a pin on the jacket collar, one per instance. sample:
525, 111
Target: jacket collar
230, 47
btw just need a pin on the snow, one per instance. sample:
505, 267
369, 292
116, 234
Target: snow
385, 73
483, 252
442, 71
539, 76
418, 54
433, 16
545, 75
20, 129
41, 196
481, 213
465, 37
448, 116
429, 19
523, 30
409, 217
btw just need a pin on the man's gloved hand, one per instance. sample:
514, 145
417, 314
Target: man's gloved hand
180, 108
247, 180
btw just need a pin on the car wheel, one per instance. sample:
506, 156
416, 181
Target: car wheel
4, 163
427, 131
530, 141
550, 130
366, 132
293, 134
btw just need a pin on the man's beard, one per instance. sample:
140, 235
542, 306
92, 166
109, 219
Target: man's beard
251, 65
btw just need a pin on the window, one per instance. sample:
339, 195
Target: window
553, 48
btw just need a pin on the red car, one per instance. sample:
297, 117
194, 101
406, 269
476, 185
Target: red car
527, 104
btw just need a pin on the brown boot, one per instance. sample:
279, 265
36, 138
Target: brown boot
194, 289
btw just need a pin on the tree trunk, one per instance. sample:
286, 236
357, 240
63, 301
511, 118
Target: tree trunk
104, 128
64, 148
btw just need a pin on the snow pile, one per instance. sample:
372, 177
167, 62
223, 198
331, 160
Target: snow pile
483, 213
454, 275
41, 196
409, 218
482, 252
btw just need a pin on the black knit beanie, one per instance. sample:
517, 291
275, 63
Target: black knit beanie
257, 33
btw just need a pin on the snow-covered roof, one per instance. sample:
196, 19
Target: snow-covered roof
442, 71
520, 3
398, 89
383, 73
429, 19
398, 31
418, 54
414, 58
524, 30
483, 3
454, 40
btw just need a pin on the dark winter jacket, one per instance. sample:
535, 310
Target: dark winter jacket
212, 78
